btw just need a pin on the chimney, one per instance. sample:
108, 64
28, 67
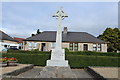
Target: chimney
65, 30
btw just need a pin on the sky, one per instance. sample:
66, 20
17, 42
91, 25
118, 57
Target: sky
21, 19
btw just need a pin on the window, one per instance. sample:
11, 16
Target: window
52, 45
85, 47
99, 47
71, 46
94, 47
35, 44
30, 44
76, 46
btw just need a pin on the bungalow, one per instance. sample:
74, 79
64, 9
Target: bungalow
74, 41
7, 42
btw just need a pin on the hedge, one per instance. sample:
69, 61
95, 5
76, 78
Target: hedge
28, 52
75, 61
84, 61
94, 53
90, 53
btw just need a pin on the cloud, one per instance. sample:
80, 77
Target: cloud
21, 19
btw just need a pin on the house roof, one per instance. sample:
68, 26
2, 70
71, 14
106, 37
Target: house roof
50, 36
20, 40
4, 36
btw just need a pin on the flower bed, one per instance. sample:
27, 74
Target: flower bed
12, 61
8, 61
3, 62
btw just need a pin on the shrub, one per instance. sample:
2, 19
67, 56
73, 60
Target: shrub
66, 50
90, 53
29, 52
77, 61
93, 53
36, 59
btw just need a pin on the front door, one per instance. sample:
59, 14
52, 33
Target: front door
85, 47
43, 47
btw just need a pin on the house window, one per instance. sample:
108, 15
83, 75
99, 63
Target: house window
35, 44
99, 47
71, 46
85, 47
76, 46
94, 47
30, 44
52, 45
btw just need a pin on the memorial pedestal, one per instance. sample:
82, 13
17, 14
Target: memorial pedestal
57, 58
56, 72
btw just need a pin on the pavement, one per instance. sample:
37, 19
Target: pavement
80, 73
31, 73
107, 72
12, 68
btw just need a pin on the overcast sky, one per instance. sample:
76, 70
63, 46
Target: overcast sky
20, 19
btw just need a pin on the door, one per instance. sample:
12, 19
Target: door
43, 47
85, 47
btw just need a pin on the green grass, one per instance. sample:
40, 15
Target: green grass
75, 61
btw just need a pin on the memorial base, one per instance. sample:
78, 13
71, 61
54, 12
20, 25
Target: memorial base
57, 63
56, 72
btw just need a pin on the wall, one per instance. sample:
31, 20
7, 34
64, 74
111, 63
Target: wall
7, 41
65, 45
90, 47
104, 47
47, 45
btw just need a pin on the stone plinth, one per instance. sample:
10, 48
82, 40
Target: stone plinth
56, 72
58, 58
57, 63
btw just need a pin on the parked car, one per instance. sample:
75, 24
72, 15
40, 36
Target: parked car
13, 49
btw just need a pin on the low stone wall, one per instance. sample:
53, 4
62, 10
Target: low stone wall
104, 73
94, 74
17, 71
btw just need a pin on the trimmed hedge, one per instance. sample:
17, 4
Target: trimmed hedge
29, 52
94, 53
75, 61
90, 53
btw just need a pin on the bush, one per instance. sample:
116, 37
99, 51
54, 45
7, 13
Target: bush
90, 53
66, 50
75, 61
29, 52
36, 59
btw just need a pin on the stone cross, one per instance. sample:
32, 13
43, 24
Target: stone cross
59, 15
58, 54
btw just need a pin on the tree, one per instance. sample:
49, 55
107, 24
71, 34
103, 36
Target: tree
33, 34
38, 32
112, 37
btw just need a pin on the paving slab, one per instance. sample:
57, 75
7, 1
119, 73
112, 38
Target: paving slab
80, 73
10, 69
107, 72
30, 73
